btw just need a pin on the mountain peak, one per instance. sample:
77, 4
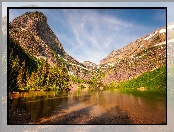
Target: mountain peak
32, 30
29, 20
37, 16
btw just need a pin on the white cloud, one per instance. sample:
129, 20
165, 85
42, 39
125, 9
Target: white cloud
108, 41
82, 25
96, 35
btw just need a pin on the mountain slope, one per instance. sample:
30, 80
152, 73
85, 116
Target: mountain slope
145, 54
152, 39
34, 35
31, 30
148, 53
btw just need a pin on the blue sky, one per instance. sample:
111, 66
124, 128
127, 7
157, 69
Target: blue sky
90, 35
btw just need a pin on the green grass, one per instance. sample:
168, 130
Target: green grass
154, 83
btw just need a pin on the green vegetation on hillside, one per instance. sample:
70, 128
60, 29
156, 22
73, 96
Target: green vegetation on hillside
27, 73
147, 84
18, 58
95, 81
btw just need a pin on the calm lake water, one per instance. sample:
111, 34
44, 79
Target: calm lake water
85, 107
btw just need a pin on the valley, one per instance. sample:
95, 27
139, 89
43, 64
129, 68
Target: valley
42, 75
144, 55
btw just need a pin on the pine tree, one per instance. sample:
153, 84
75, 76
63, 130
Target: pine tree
21, 78
13, 71
33, 80
64, 78
45, 72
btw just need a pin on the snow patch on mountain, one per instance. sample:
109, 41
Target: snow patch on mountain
150, 36
110, 64
162, 31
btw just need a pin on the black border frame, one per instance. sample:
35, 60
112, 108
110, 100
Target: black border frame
8, 8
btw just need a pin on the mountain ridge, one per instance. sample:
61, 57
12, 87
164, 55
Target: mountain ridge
139, 44
36, 23
145, 54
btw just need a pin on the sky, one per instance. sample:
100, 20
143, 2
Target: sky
92, 34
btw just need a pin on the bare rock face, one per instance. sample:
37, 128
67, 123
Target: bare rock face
36, 24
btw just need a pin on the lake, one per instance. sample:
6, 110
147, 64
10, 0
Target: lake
85, 107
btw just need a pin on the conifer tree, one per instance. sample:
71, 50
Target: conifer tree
13, 71
45, 72
21, 78
32, 81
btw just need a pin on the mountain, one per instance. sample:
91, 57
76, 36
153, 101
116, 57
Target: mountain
156, 37
145, 54
35, 37
91, 66
31, 30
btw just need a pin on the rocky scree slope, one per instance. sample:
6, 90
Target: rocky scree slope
145, 54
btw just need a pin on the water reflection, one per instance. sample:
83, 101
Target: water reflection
85, 107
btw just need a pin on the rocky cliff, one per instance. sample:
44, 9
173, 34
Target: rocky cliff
34, 34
